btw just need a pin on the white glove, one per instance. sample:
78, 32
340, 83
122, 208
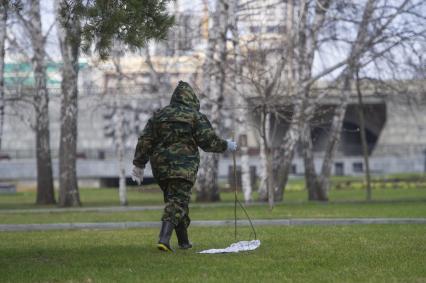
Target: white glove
137, 175
232, 146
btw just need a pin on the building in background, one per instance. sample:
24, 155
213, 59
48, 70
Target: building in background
395, 123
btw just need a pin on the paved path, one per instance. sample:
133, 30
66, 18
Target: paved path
211, 223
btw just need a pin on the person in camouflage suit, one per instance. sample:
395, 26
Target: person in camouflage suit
170, 141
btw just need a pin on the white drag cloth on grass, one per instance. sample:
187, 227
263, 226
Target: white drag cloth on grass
241, 246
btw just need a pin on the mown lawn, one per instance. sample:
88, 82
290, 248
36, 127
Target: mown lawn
226, 211
151, 195
344, 203
346, 188
361, 253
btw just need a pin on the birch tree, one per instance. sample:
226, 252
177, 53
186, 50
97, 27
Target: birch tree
240, 103
69, 34
372, 42
259, 66
358, 47
212, 98
305, 40
123, 21
119, 137
3, 20
33, 27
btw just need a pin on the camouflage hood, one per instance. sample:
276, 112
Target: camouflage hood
184, 94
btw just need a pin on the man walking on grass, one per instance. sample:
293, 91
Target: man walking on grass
170, 141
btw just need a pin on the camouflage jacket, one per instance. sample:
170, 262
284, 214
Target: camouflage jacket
171, 138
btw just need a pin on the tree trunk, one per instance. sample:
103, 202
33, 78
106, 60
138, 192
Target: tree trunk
207, 178
306, 39
363, 138
122, 190
265, 157
3, 20
45, 192
308, 158
69, 40
119, 135
241, 128
266, 188
270, 181
356, 51
241, 124
266, 130
334, 135
263, 174
311, 177
245, 175
286, 150
214, 82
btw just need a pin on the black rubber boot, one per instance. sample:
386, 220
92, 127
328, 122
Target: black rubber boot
165, 234
182, 236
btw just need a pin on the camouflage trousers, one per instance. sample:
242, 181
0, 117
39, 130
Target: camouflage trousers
177, 193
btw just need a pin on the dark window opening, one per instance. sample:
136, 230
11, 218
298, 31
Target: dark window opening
351, 140
339, 169
357, 167
293, 169
255, 29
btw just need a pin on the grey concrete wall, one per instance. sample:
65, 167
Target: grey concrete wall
399, 148
404, 132
378, 165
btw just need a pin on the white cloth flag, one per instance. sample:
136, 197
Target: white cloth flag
241, 246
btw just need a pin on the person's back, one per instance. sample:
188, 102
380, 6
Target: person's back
172, 136
170, 141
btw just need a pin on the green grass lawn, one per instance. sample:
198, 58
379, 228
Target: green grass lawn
361, 253
285, 210
89, 197
152, 195
344, 203
358, 253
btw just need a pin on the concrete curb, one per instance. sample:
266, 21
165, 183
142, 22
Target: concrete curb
210, 223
